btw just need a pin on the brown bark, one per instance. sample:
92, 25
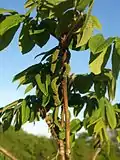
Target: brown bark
67, 119
61, 142
8, 154
66, 111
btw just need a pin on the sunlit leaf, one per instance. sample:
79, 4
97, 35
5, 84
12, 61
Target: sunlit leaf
111, 117
40, 84
75, 125
25, 41
95, 41
10, 22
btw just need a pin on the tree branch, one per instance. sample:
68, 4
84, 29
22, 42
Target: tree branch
8, 154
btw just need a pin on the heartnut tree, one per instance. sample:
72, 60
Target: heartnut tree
56, 89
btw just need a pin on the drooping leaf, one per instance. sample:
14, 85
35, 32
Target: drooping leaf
99, 61
48, 81
55, 87
29, 3
40, 84
95, 41
26, 43
31, 9
111, 84
56, 117
45, 100
7, 119
32, 69
29, 88
98, 126
83, 83
117, 45
75, 125
100, 88
105, 44
10, 22
49, 25
72, 140
65, 23
87, 33
62, 7
46, 54
7, 37
2, 11
25, 111
54, 60
38, 39
82, 4
96, 23
116, 60
111, 117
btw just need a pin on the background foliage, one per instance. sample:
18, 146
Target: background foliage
24, 146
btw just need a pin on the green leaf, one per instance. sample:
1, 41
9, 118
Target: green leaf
83, 83
116, 60
25, 112
82, 4
10, 22
30, 70
98, 126
62, 135
56, 118
18, 119
111, 117
48, 82
95, 41
87, 33
96, 23
75, 125
25, 41
99, 61
29, 3
112, 88
100, 88
77, 110
46, 54
54, 60
55, 87
40, 37
65, 23
40, 84
62, 7
7, 37
111, 84
45, 100
105, 44
32, 116
49, 25
7, 119
117, 45
2, 11
72, 140
29, 88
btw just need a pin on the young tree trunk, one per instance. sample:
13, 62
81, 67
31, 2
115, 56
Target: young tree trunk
61, 142
66, 111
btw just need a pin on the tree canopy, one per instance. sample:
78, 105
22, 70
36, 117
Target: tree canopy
57, 90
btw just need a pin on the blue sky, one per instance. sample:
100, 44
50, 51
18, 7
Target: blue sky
12, 61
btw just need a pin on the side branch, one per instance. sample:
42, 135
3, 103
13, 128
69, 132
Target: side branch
8, 154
